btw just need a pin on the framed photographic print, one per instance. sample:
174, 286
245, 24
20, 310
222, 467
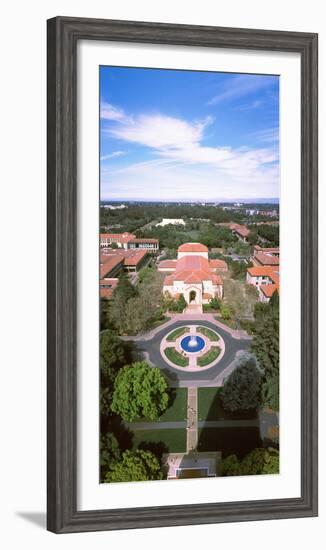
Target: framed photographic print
182, 274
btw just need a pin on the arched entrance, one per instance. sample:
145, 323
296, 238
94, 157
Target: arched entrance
192, 296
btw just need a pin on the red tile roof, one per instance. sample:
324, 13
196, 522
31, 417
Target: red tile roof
117, 237
265, 271
192, 269
268, 290
192, 247
111, 283
266, 259
242, 230
128, 257
134, 257
218, 264
271, 250
167, 264
110, 263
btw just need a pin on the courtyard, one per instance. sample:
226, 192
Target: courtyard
153, 344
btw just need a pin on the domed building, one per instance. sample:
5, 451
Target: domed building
193, 275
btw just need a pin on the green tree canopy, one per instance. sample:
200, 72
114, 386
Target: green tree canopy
265, 346
242, 389
112, 352
140, 391
135, 466
123, 292
109, 453
257, 462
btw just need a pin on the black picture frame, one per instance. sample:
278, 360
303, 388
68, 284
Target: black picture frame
63, 35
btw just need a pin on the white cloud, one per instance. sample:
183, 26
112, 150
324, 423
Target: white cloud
113, 155
239, 86
161, 132
166, 180
110, 112
185, 169
270, 135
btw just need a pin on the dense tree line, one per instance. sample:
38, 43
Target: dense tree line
257, 462
269, 233
242, 389
265, 346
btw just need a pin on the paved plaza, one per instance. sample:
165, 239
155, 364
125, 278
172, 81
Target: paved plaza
235, 341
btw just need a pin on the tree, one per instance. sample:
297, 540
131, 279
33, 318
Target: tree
112, 352
140, 391
229, 466
178, 305
265, 346
215, 303
112, 358
109, 453
240, 300
253, 237
135, 466
241, 390
257, 462
114, 246
123, 292
225, 312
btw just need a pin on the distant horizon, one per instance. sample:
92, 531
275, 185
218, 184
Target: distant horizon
188, 136
260, 200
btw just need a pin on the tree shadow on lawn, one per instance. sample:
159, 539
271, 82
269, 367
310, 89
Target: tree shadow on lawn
215, 410
121, 432
132, 352
158, 448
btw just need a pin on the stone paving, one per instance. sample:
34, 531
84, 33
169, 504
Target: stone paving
192, 413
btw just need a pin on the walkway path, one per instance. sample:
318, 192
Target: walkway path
191, 423
192, 413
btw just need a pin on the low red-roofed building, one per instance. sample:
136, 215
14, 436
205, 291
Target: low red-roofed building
132, 260
150, 245
107, 287
265, 279
120, 239
241, 231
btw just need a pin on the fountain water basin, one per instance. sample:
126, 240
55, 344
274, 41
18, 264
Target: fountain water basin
192, 344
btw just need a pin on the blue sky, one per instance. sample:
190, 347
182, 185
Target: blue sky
185, 135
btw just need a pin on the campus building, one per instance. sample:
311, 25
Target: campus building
193, 275
265, 256
150, 245
241, 231
171, 221
266, 279
115, 262
119, 239
128, 241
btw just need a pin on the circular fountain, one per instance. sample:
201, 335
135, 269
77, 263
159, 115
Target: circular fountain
192, 344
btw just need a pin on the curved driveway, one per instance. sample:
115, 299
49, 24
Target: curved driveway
151, 347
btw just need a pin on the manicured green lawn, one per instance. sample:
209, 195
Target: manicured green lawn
239, 441
177, 409
210, 407
177, 333
173, 440
210, 334
209, 356
176, 357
